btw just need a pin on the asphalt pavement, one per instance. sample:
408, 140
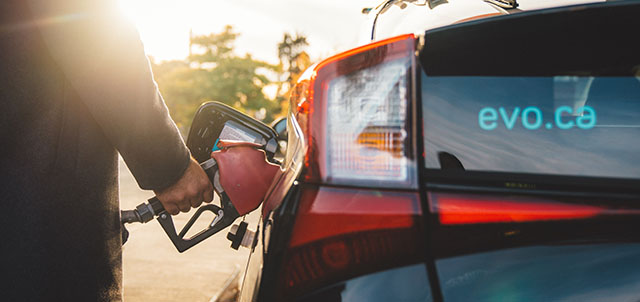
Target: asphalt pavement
153, 270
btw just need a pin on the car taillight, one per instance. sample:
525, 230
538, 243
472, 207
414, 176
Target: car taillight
343, 233
471, 223
356, 108
463, 209
355, 114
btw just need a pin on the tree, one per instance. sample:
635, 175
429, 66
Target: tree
293, 62
289, 50
213, 72
213, 47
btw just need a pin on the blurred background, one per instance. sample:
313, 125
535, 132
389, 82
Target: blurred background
245, 53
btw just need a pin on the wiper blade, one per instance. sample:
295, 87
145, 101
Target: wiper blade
508, 4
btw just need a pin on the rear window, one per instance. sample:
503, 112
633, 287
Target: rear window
607, 272
559, 125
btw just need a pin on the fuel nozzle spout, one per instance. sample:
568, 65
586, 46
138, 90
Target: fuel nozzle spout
142, 214
129, 216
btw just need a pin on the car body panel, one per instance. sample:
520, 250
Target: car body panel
451, 266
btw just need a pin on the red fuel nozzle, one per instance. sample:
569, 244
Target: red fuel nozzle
245, 174
241, 175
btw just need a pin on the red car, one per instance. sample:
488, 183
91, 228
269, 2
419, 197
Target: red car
474, 151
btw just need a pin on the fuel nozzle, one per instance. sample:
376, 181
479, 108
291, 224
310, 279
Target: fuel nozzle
240, 235
240, 172
143, 213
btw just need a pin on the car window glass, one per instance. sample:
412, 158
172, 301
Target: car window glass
607, 272
562, 125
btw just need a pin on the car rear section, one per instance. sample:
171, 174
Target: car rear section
492, 160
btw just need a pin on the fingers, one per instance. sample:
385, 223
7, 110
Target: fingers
207, 196
175, 206
171, 209
191, 200
196, 202
189, 191
203, 191
184, 207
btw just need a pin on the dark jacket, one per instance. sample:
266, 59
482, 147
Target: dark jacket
75, 89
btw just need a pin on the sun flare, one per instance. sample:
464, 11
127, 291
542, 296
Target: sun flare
163, 26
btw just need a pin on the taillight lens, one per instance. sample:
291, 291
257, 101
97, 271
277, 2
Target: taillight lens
472, 223
359, 118
463, 209
366, 124
342, 233
354, 111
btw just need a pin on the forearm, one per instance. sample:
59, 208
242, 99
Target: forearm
104, 62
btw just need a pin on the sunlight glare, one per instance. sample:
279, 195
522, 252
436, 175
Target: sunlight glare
129, 8
163, 26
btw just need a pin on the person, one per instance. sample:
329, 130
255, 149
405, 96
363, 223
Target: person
75, 89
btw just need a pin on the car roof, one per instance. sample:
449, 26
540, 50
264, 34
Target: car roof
401, 17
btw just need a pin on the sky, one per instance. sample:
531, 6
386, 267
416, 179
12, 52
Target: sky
331, 26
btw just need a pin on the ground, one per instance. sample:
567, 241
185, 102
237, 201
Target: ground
154, 270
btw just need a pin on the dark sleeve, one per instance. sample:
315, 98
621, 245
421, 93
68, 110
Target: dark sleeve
103, 59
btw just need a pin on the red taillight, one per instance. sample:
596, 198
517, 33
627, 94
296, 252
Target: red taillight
340, 211
342, 233
355, 111
457, 209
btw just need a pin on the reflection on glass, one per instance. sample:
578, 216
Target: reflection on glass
565, 125
409, 284
607, 272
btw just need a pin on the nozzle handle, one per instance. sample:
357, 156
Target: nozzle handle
224, 217
225, 214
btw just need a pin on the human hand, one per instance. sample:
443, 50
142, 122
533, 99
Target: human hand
189, 191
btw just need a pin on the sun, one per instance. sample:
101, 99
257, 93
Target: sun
128, 8
133, 9
163, 26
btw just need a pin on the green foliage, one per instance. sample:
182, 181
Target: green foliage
289, 50
214, 73
215, 46
293, 62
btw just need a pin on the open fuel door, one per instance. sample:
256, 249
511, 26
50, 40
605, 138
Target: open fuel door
216, 121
